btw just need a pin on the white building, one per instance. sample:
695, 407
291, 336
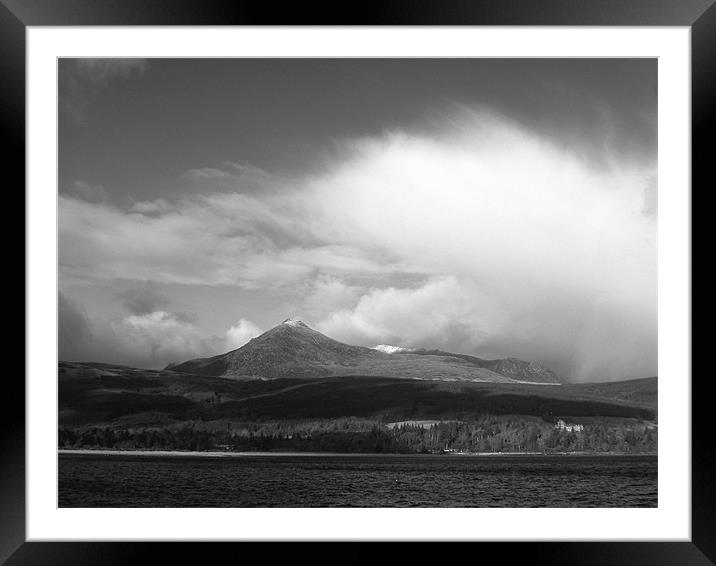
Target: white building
561, 425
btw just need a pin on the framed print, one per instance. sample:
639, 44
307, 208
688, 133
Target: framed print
419, 275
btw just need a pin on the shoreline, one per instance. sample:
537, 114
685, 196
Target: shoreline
218, 454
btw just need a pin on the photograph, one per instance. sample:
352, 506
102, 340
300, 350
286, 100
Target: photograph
382, 282
419, 273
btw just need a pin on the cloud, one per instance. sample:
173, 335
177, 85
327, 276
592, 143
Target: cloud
443, 311
220, 239
327, 294
243, 331
143, 299
651, 204
86, 192
485, 238
153, 207
233, 176
558, 257
160, 337
74, 332
150, 339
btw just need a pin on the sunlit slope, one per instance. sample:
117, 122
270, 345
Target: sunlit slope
293, 350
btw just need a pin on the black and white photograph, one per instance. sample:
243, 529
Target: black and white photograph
357, 282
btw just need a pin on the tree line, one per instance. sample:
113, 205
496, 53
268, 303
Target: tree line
488, 433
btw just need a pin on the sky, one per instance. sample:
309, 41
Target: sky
493, 207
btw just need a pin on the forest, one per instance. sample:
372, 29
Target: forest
488, 433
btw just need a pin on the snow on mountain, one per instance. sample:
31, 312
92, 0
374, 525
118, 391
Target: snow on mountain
388, 349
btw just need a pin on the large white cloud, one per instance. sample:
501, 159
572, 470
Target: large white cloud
439, 313
159, 336
239, 334
563, 251
484, 237
219, 239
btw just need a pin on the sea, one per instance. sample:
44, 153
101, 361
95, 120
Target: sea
104, 479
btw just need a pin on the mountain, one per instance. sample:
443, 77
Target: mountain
290, 349
293, 350
519, 370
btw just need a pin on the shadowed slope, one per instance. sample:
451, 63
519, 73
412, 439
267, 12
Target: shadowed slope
123, 396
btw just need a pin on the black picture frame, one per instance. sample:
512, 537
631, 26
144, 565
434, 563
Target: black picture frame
16, 15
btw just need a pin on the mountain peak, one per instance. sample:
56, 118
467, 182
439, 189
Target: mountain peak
289, 349
292, 349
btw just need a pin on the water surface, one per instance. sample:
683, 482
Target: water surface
122, 480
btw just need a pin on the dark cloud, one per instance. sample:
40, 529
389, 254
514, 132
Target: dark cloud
280, 115
151, 340
144, 298
75, 339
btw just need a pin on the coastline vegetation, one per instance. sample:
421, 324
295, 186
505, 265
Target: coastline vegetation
487, 433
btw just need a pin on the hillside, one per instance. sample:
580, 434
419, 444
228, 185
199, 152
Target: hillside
512, 368
292, 350
123, 396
